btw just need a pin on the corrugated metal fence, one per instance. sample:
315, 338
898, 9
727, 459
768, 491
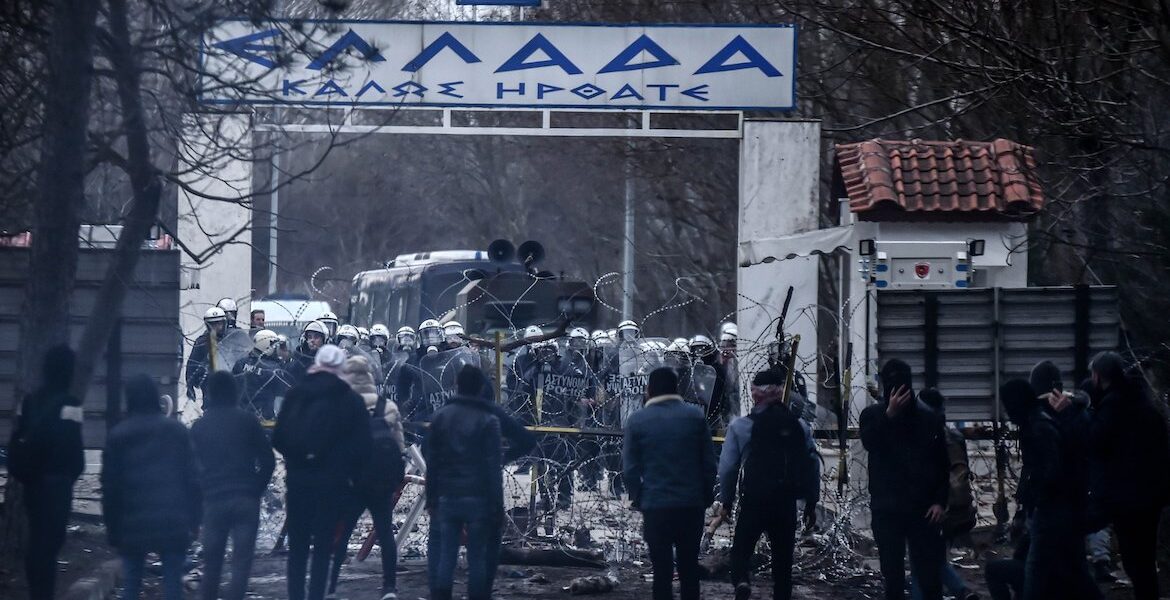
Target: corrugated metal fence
147, 340
967, 342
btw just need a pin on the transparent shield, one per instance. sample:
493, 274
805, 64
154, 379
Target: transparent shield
229, 349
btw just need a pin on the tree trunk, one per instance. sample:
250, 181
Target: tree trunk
56, 217
147, 191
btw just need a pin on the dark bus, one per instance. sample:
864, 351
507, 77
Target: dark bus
468, 286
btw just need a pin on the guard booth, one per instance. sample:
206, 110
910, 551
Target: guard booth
146, 340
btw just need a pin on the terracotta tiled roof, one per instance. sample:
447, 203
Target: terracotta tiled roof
994, 179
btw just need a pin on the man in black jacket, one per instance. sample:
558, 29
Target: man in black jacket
151, 500
1053, 489
908, 483
46, 456
236, 464
324, 435
1132, 481
668, 462
465, 488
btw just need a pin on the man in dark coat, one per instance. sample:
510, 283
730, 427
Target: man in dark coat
46, 455
236, 465
668, 464
908, 483
465, 456
151, 501
1132, 478
1053, 489
324, 435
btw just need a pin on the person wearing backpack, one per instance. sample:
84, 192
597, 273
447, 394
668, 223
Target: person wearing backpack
47, 457
961, 510
908, 483
236, 464
381, 477
323, 432
774, 451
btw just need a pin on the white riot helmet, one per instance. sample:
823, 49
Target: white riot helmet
315, 332
678, 345
532, 332
330, 321
406, 337
454, 331
628, 331
363, 334
265, 341
701, 345
578, 339
600, 338
347, 335
214, 314
229, 306
379, 332
677, 352
728, 332
431, 333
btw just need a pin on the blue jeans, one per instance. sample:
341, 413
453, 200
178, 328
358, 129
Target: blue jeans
172, 579
951, 582
482, 519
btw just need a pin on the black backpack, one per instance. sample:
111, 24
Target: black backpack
386, 467
778, 461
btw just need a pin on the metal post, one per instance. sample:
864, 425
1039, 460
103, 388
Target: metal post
499, 351
114, 376
628, 246
272, 222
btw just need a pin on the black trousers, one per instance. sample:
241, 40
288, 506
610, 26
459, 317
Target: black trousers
1056, 566
238, 518
1137, 542
312, 515
894, 532
778, 520
48, 503
1005, 576
378, 503
674, 534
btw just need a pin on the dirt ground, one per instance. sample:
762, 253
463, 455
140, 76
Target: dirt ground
86, 549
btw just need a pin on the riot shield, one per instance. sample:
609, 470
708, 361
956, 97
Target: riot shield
567, 388
438, 372
229, 349
701, 385
635, 362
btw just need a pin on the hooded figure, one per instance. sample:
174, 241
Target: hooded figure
1131, 474
1053, 489
324, 435
47, 456
151, 498
908, 482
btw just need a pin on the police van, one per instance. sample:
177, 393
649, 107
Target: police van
487, 291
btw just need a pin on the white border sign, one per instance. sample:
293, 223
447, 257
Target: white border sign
690, 67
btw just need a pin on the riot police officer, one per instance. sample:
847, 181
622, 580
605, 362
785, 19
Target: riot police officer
199, 362
262, 375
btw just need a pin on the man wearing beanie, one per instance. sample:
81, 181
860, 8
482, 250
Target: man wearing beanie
465, 489
668, 462
323, 433
908, 483
231, 444
774, 451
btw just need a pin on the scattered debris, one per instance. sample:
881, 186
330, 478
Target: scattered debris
596, 584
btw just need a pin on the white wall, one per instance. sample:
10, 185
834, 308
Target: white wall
205, 222
779, 174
